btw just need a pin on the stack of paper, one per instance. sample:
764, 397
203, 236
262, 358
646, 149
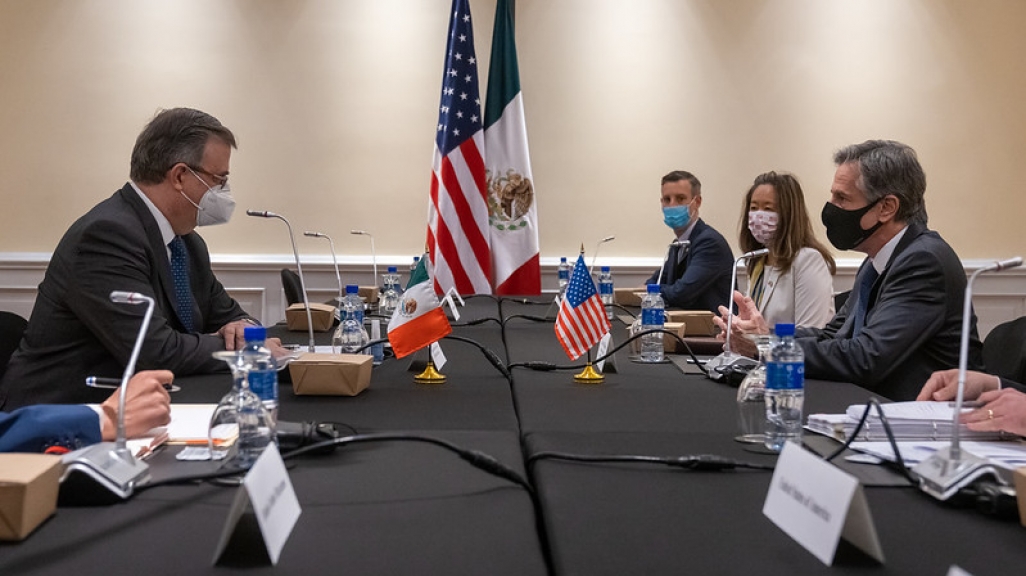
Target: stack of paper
908, 421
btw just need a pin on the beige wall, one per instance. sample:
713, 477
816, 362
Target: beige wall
334, 103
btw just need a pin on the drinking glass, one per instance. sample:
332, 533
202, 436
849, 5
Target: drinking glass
241, 427
750, 396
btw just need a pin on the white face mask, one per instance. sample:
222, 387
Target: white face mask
216, 206
763, 225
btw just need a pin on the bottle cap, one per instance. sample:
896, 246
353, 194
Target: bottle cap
605, 268
653, 288
784, 329
392, 269
562, 259
352, 289
255, 333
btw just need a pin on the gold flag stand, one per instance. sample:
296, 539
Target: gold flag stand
429, 375
589, 376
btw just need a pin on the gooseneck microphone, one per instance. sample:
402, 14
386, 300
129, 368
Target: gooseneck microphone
949, 470
728, 357
106, 472
681, 245
374, 254
733, 286
302, 280
594, 256
334, 260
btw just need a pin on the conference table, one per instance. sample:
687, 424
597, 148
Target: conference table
398, 507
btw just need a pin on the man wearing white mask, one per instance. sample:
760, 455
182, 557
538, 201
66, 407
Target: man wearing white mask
697, 271
141, 239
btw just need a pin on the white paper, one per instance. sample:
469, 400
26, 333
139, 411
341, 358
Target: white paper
437, 356
603, 345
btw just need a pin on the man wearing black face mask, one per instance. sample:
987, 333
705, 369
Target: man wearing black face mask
903, 318
141, 239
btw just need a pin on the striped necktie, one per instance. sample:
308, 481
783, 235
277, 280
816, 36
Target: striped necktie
180, 275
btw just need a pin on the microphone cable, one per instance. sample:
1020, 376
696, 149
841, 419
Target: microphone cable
899, 463
694, 463
549, 366
475, 458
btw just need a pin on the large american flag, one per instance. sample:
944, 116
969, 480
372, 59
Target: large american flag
581, 321
458, 213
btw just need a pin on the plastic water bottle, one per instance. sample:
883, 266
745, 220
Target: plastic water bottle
652, 318
564, 275
606, 290
390, 295
785, 389
350, 336
263, 369
353, 299
416, 261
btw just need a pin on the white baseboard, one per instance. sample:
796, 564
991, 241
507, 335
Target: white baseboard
254, 280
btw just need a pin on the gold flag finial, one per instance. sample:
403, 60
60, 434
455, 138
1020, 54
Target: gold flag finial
582, 248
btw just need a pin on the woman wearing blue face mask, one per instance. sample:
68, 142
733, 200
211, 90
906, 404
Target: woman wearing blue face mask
793, 283
697, 271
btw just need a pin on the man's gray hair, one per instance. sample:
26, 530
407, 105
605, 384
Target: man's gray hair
886, 168
173, 136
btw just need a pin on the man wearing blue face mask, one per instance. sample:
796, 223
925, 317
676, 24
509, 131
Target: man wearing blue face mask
696, 273
141, 239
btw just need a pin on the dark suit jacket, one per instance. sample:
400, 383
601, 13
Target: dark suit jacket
703, 281
1006, 383
36, 428
913, 323
76, 331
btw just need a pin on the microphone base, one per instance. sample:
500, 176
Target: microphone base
942, 476
723, 365
99, 475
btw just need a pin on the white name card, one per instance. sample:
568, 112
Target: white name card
817, 504
268, 490
603, 346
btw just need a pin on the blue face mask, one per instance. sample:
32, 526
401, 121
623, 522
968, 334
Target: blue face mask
677, 217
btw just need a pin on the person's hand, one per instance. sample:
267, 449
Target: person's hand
1003, 410
943, 385
234, 334
748, 320
276, 348
147, 405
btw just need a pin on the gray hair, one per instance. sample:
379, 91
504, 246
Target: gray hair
173, 136
886, 168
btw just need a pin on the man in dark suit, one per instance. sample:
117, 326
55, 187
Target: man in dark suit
60, 428
696, 274
903, 318
141, 239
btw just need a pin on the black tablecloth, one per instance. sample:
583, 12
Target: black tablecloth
409, 508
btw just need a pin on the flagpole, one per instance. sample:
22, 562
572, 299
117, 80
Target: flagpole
589, 375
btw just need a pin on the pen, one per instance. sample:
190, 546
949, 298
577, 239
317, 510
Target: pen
967, 404
110, 383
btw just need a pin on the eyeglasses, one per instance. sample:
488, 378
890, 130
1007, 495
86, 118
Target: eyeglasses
218, 179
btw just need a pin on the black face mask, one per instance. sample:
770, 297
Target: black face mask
843, 227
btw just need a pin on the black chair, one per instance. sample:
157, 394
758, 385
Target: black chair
12, 328
1004, 350
292, 286
840, 298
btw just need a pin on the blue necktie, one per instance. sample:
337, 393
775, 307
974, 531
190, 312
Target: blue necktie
869, 276
180, 275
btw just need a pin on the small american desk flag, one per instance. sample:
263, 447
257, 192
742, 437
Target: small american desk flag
581, 321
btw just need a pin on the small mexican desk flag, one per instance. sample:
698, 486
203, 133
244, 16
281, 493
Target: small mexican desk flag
419, 319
